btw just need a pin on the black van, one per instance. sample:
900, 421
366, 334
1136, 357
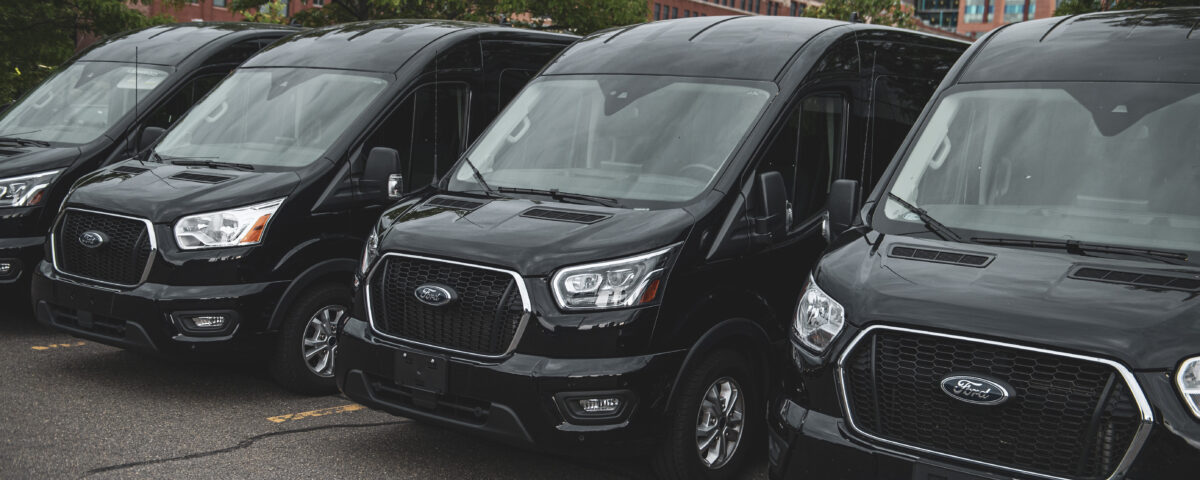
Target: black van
242, 228
604, 271
1021, 295
90, 113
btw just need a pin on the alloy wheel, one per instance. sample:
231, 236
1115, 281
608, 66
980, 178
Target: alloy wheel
719, 423
318, 340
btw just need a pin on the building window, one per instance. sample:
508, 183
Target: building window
973, 12
222, 3
674, 12
658, 11
687, 13
318, 3
1014, 12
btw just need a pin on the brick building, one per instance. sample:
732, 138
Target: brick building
666, 9
977, 17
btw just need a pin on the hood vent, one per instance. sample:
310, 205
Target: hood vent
564, 215
199, 177
130, 169
966, 259
1167, 280
454, 203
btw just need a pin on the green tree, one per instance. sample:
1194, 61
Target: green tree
1074, 7
39, 36
576, 16
879, 12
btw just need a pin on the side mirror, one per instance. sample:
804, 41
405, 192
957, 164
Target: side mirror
845, 200
149, 137
381, 176
773, 204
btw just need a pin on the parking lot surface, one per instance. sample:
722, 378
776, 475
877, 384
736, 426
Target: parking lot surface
73, 408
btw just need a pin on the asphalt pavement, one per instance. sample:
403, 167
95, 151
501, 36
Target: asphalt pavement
72, 408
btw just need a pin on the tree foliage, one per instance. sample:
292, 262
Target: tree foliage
1075, 7
40, 35
879, 12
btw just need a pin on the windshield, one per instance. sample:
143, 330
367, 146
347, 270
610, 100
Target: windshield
1107, 163
78, 104
280, 117
617, 136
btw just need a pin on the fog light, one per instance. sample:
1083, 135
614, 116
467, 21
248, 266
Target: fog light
5, 268
599, 405
208, 321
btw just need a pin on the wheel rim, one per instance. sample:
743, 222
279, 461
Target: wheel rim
719, 422
318, 340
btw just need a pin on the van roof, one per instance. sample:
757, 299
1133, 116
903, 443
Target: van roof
1130, 46
745, 47
381, 45
169, 44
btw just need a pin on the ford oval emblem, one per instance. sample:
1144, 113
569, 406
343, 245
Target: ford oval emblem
92, 239
435, 295
975, 389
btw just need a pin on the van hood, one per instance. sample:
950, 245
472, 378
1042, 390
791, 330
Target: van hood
164, 193
508, 233
23, 160
1030, 296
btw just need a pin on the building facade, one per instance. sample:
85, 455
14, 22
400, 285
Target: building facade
939, 14
214, 10
977, 17
667, 9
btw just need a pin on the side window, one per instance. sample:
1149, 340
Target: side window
808, 152
897, 102
429, 127
182, 100
511, 82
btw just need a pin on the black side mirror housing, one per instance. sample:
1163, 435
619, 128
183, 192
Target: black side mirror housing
149, 137
773, 205
381, 175
845, 200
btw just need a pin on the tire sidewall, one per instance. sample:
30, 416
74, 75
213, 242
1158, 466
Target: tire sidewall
287, 365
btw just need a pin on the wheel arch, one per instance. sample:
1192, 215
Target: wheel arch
338, 270
742, 335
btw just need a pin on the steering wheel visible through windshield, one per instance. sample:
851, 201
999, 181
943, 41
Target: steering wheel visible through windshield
627, 137
1109, 163
274, 117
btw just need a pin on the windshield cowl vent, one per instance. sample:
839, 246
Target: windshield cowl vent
130, 169
200, 177
564, 215
454, 203
1164, 280
951, 257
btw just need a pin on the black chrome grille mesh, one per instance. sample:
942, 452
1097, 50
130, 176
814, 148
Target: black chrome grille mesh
1067, 417
121, 259
484, 320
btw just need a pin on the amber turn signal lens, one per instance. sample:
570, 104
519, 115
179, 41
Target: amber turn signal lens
256, 231
650, 293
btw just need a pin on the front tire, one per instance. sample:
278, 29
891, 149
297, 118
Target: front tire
303, 357
713, 421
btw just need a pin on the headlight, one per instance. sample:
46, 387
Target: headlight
228, 228
1188, 380
370, 252
819, 318
26, 190
614, 284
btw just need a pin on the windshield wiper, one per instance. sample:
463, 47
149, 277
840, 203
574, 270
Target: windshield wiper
930, 223
24, 142
1082, 248
560, 196
479, 178
189, 162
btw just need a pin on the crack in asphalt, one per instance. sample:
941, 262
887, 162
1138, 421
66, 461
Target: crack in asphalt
240, 445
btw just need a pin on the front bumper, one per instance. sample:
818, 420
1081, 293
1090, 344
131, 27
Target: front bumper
147, 317
805, 444
517, 400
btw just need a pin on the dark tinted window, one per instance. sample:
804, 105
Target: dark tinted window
896, 105
239, 52
511, 83
429, 126
182, 100
808, 153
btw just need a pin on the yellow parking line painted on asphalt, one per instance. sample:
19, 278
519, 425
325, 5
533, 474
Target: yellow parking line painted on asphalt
58, 345
316, 413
